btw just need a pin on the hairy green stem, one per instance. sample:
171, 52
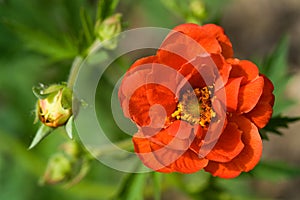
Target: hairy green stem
78, 61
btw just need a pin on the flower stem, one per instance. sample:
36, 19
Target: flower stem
78, 61
123, 144
74, 71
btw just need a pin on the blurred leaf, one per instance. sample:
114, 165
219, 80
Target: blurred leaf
133, 187
96, 190
275, 171
154, 12
214, 10
106, 8
25, 159
211, 191
40, 42
275, 67
42, 132
275, 124
87, 26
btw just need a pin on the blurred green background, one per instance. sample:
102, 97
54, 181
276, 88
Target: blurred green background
38, 42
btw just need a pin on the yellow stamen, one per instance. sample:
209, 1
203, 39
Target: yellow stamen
196, 111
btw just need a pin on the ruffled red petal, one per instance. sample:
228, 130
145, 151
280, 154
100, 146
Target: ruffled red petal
223, 70
249, 95
208, 40
178, 161
133, 79
224, 41
150, 104
142, 147
229, 145
248, 157
262, 112
187, 41
165, 153
232, 93
243, 68
143, 61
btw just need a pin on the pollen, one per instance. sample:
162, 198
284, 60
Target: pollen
195, 107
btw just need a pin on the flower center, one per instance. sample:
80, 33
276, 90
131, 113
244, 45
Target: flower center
195, 107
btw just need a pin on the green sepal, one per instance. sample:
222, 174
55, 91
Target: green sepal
66, 101
42, 132
69, 127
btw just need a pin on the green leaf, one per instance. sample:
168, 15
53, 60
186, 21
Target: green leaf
275, 124
275, 67
42, 132
43, 43
275, 171
106, 8
87, 26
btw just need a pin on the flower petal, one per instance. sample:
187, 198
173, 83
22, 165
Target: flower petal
248, 157
224, 41
232, 94
229, 145
184, 43
262, 112
146, 98
142, 61
133, 79
144, 152
189, 162
249, 95
178, 161
203, 36
223, 71
243, 68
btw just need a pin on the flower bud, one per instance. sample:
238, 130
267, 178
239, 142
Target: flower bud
59, 169
56, 108
71, 149
108, 29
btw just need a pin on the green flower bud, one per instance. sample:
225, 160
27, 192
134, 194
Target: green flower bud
59, 169
55, 108
108, 29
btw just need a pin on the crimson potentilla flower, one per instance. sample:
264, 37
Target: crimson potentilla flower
196, 106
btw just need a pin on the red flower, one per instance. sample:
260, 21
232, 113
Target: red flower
196, 106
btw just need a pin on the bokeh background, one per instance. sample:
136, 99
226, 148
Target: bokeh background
38, 41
